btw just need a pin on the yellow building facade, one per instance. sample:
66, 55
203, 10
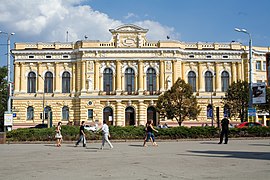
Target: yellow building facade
120, 80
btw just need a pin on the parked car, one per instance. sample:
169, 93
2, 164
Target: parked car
39, 126
91, 128
249, 124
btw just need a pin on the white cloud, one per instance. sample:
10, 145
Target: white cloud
130, 15
157, 31
49, 20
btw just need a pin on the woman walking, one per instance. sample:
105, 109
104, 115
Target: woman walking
149, 133
58, 135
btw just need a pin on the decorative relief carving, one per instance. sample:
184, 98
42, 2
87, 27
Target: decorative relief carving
168, 66
129, 42
90, 84
90, 66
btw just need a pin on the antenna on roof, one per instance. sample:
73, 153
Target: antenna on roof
67, 37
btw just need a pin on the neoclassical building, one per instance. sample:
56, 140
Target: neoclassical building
120, 80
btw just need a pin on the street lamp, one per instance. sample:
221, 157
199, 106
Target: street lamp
9, 72
250, 103
43, 100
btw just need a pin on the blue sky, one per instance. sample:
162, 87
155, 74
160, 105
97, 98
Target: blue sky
183, 20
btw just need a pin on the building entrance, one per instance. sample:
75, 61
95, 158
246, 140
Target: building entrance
108, 115
130, 116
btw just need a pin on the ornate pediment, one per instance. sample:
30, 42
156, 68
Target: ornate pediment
129, 36
128, 28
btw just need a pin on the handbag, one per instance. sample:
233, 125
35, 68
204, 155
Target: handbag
58, 135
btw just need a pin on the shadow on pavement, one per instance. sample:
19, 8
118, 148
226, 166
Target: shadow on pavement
208, 142
233, 154
135, 145
51, 145
259, 144
96, 148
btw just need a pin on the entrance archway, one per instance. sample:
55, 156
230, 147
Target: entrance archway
129, 116
152, 114
48, 115
108, 115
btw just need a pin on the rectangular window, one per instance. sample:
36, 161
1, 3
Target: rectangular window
31, 56
264, 66
90, 114
258, 65
48, 57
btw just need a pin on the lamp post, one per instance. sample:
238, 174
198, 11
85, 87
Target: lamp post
43, 100
250, 103
8, 68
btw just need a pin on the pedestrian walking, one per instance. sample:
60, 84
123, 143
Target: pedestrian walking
105, 135
58, 135
82, 135
149, 133
224, 130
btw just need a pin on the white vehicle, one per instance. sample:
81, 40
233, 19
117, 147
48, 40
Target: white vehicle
91, 128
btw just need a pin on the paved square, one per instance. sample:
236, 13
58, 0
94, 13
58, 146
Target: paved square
240, 159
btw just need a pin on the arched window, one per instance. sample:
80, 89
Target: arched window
152, 115
47, 110
192, 80
107, 80
129, 80
66, 82
151, 80
208, 81
226, 111
30, 113
65, 113
224, 81
48, 86
31, 82
209, 112
108, 115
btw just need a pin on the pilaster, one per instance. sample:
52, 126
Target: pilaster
73, 78
141, 77
200, 76
119, 113
234, 73
118, 77
218, 83
17, 76
162, 75
57, 81
142, 112
23, 80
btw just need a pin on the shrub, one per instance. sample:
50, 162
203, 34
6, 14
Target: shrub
71, 133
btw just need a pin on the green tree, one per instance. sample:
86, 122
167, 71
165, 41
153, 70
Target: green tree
265, 107
179, 102
237, 97
3, 95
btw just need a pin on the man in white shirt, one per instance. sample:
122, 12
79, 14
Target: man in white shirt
106, 135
